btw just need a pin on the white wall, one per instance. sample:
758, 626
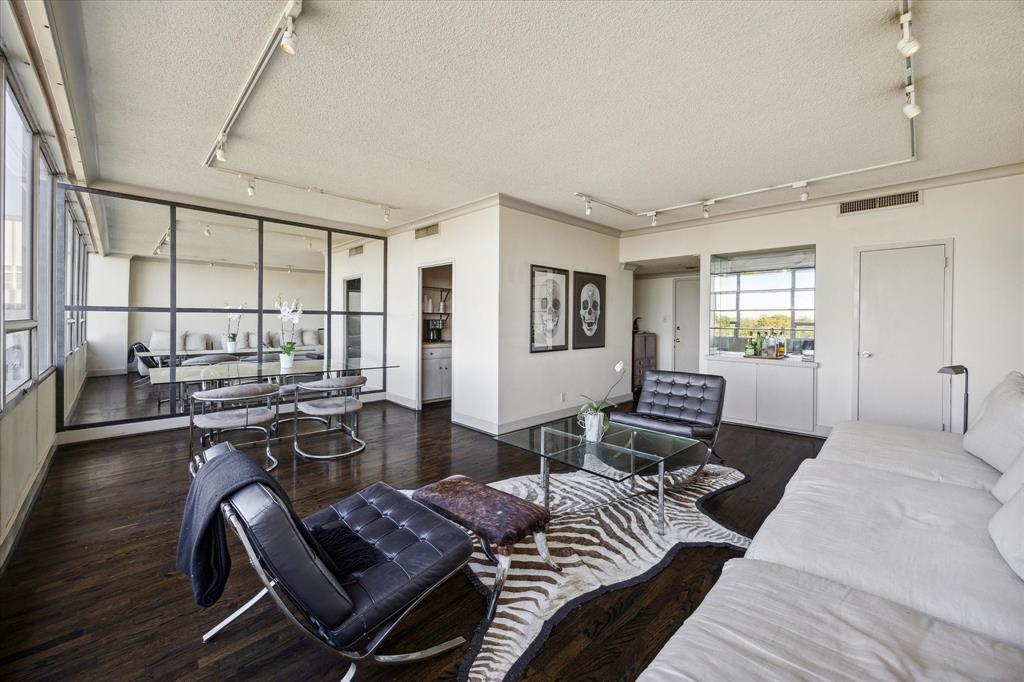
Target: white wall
470, 243
986, 221
26, 437
531, 384
107, 332
652, 303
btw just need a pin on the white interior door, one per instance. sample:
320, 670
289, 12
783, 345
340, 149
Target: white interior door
903, 335
687, 326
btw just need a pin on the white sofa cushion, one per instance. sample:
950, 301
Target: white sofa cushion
1007, 530
309, 337
195, 341
769, 622
160, 339
918, 543
1011, 481
998, 434
929, 455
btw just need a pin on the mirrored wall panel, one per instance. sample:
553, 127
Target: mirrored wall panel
169, 299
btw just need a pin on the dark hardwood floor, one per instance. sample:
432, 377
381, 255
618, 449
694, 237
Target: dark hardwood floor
116, 397
91, 591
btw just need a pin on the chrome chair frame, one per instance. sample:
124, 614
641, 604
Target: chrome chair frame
194, 461
351, 431
362, 648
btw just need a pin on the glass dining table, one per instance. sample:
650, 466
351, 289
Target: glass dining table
235, 370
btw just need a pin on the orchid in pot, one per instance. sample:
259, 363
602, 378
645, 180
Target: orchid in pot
234, 326
291, 313
592, 416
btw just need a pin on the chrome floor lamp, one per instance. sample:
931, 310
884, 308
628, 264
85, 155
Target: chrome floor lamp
954, 370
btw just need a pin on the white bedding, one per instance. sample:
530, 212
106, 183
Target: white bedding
921, 544
764, 621
930, 455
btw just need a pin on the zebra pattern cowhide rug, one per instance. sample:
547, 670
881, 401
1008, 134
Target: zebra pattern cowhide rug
604, 540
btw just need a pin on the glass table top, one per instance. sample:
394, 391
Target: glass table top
624, 451
241, 369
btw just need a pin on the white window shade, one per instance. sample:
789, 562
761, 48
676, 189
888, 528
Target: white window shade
762, 262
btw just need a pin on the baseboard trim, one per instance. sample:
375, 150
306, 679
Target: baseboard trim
482, 425
10, 542
820, 432
527, 422
107, 372
401, 400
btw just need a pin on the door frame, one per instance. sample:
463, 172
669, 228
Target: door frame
419, 327
685, 278
947, 317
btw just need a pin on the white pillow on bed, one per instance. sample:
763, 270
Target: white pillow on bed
997, 436
1011, 481
1007, 530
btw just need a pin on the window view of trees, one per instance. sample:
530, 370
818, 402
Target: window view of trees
744, 304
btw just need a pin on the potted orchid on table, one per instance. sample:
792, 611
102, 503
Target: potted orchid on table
234, 325
592, 416
291, 313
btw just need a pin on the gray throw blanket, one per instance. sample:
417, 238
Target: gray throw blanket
202, 547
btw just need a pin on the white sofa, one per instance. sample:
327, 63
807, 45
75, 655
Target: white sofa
877, 564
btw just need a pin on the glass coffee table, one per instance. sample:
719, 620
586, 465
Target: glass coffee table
623, 452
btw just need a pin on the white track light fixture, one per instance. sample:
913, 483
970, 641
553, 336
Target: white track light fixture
654, 219
251, 189
804, 195
220, 152
910, 109
387, 214
207, 231
590, 207
908, 45
706, 211
289, 41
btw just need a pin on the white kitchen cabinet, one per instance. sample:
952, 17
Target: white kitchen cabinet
437, 372
778, 394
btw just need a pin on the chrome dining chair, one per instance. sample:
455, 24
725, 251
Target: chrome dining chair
341, 398
243, 407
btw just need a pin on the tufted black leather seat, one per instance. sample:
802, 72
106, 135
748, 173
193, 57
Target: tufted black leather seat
679, 403
420, 548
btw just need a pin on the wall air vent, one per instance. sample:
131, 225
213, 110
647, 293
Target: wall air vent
427, 231
355, 251
888, 201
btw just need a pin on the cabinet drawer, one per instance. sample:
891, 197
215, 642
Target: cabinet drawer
442, 352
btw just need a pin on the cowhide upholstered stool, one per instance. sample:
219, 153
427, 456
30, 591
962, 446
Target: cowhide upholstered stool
498, 518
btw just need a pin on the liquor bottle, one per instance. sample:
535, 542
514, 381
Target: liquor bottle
765, 342
748, 349
781, 348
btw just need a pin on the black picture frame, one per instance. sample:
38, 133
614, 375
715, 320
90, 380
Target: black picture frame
549, 295
589, 305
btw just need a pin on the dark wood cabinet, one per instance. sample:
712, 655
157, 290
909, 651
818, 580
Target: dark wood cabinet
645, 346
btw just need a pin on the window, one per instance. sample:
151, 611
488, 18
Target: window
752, 293
44, 264
19, 180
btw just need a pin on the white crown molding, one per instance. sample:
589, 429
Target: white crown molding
447, 214
677, 274
505, 201
207, 202
924, 184
508, 201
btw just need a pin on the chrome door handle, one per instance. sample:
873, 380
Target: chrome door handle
865, 354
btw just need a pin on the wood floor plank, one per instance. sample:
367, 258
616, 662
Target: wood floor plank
91, 591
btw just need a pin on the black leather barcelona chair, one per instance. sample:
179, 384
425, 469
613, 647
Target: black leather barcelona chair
679, 403
352, 616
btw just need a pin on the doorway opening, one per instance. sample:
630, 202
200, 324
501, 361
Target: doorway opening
436, 311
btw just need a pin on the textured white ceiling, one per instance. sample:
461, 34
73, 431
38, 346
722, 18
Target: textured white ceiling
428, 105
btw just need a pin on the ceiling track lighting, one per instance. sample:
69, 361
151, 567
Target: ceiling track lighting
252, 187
907, 45
910, 109
589, 205
387, 214
289, 41
220, 151
207, 231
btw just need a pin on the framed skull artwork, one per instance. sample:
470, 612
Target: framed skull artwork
549, 299
588, 310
